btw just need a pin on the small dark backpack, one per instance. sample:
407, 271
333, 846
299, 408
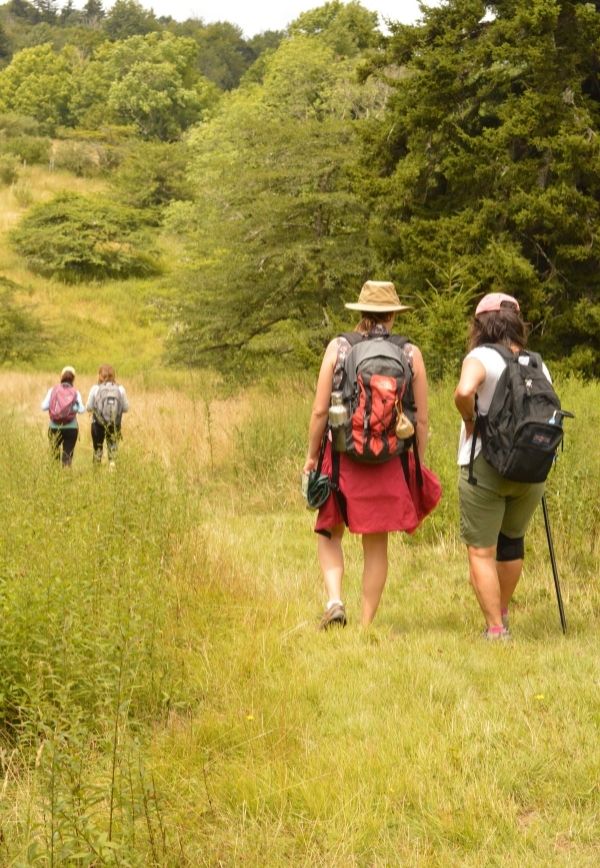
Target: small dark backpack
523, 427
63, 399
376, 384
108, 404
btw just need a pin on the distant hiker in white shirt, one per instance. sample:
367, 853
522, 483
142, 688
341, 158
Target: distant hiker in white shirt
106, 402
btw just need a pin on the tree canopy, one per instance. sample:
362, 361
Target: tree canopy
455, 156
488, 161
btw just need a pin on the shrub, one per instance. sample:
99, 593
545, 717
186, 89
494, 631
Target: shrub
29, 149
9, 169
81, 158
21, 337
153, 174
13, 124
74, 238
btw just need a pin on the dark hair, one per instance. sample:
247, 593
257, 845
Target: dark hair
67, 377
505, 326
370, 319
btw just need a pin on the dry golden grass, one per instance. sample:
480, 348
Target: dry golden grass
165, 423
40, 185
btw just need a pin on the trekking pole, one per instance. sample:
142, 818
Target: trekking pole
561, 609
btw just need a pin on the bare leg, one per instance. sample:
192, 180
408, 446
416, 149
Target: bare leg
509, 573
375, 571
484, 578
331, 561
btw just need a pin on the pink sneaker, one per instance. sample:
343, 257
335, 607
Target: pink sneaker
497, 634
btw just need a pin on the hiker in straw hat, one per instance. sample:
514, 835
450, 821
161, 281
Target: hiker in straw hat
377, 496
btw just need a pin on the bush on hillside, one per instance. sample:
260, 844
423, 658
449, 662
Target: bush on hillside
21, 337
13, 125
80, 158
75, 238
9, 169
152, 175
29, 149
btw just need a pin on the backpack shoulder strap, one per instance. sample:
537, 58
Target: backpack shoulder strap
399, 340
508, 354
353, 338
535, 358
503, 351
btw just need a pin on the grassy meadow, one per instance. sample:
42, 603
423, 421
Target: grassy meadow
168, 700
166, 697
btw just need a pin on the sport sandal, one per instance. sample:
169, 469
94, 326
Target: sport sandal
335, 616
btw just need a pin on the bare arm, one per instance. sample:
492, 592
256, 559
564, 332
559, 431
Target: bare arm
471, 377
320, 410
420, 393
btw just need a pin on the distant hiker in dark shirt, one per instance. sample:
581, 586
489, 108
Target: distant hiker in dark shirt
63, 402
107, 402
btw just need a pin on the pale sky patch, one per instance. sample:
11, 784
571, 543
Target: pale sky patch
256, 17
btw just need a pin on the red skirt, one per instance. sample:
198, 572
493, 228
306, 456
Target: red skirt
378, 496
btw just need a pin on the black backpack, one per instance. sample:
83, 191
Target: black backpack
376, 382
523, 428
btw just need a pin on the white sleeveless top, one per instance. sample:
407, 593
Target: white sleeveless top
494, 364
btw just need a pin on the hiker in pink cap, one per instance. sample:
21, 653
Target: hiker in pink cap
495, 511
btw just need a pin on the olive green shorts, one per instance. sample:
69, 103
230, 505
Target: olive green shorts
495, 505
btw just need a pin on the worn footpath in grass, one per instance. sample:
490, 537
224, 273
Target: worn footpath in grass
414, 742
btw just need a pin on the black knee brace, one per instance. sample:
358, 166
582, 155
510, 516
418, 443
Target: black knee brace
508, 549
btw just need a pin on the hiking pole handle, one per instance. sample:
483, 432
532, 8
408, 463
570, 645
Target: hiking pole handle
561, 609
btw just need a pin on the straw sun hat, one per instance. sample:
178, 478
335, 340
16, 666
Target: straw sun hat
378, 296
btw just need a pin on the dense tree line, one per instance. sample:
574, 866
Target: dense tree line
478, 170
487, 163
455, 156
222, 53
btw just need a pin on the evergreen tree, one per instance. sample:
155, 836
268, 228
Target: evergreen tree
488, 161
223, 54
129, 18
47, 10
93, 12
23, 11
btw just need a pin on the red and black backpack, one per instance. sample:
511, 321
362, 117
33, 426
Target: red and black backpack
376, 386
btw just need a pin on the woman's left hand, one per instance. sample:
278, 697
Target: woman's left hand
310, 464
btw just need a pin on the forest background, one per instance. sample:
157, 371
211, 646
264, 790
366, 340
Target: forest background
195, 208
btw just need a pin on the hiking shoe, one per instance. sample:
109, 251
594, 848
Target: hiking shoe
333, 617
495, 634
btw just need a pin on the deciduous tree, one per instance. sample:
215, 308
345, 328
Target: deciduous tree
39, 82
277, 240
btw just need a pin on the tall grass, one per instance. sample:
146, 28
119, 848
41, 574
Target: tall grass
169, 701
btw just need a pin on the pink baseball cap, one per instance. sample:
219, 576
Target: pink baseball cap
493, 301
